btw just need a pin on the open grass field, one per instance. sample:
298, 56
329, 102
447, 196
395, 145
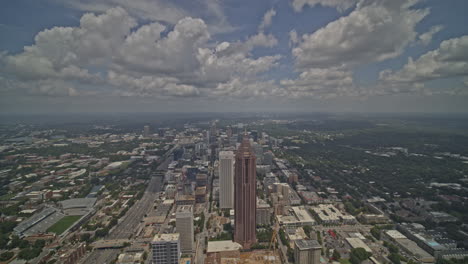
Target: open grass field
64, 223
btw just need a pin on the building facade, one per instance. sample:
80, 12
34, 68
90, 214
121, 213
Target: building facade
166, 249
226, 179
184, 225
245, 200
307, 251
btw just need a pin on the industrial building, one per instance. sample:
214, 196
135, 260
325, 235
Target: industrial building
409, 246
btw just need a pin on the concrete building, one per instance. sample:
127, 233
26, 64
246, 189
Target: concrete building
263, 213
226, 179
307, 252
245, 199
146, 131
184, 225
328, 214
297, 217
201, 179
200, 194
410, 247
166, 249
218, 250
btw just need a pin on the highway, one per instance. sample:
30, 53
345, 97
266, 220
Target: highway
127, 226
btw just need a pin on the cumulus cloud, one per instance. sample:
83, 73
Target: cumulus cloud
160, 11
155, 10
449, 60
320, 83
293, 38
340, 5
267, 19
137, 60
426, 37
374, 31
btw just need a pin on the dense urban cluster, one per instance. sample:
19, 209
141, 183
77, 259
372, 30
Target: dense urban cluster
247, 190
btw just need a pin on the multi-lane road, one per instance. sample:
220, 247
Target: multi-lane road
127, 226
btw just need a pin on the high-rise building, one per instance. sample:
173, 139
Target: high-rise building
229, 132
184, 225
268, 158
245, 200
161, 132
258, 149
226, 179
146, 131
263, 213
254, 135
166, 248
307, 251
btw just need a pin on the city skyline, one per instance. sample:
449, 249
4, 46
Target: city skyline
213, 56
317, 188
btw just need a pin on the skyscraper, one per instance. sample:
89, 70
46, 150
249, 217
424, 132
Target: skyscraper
226, 179
229, 132
146, 131
166, 249
245, 201
184, 225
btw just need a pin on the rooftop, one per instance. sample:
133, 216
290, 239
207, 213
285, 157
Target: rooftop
225, 245
304, 244
358, 243
395, 234
166, 237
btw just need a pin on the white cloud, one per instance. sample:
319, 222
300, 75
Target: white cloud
61, 52
144, 50
426, 37
320, 83
374, 31
267, 19
151, 85
293, 38
155, 10
110, 49
449, 60
340, 5
160, 11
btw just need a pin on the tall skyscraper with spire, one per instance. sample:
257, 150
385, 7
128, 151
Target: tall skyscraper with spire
245, 200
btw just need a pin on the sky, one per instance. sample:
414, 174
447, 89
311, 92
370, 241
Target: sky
60, 56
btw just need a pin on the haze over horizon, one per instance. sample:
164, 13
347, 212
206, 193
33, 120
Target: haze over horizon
76, 56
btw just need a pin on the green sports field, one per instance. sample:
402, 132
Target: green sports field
64, 223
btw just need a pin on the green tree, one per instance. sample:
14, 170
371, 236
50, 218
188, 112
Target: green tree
359, 254
29, 253
6, 255
375, 231
336, 255
86, 237
307, 230
394, 258
40, 243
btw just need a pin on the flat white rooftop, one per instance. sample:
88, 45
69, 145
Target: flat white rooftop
225, 245
166, 237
